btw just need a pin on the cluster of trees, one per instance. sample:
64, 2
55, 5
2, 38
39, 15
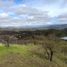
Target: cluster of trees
31, 35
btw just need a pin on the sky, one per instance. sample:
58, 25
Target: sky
32, 13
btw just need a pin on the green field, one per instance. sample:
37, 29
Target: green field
29, 56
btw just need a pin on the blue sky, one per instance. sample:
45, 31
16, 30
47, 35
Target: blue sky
31, 13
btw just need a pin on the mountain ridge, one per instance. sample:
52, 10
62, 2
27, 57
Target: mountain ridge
57, 26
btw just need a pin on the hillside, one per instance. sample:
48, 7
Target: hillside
29, 56
39, 48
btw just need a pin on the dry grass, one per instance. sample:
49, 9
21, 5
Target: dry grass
28, 56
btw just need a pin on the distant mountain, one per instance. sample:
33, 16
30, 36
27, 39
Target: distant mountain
57, 26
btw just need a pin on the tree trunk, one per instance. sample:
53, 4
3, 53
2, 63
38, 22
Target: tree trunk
7, 43
51, 55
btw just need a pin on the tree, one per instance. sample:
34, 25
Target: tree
49, 46
50, 52
6, 39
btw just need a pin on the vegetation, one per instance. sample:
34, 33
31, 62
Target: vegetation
41, 48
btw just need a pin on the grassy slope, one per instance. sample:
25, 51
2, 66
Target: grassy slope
28, 56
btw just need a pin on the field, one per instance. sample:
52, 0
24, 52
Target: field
29, 56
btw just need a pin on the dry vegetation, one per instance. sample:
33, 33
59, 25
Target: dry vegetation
32, 50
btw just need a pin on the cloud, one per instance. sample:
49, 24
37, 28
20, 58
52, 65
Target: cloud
3, 15
6, 3
62, 18
31, 12
23, 14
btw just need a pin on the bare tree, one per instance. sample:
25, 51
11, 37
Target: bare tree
49, 46
6, 39
50, 53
